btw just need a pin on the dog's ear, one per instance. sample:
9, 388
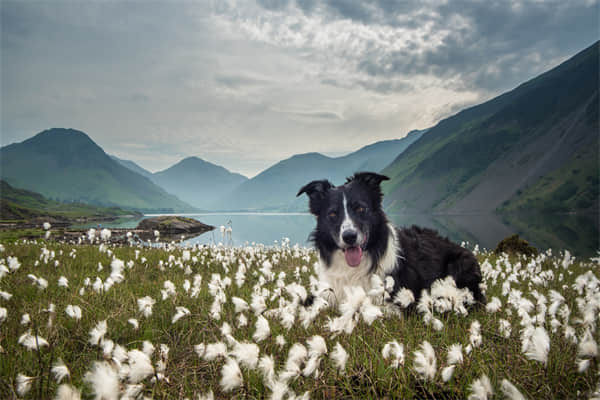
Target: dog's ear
316, 193
371, 180
368, 178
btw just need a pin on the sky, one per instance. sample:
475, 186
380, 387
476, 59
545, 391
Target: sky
245, 84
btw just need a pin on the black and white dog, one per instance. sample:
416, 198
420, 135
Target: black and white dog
355, 241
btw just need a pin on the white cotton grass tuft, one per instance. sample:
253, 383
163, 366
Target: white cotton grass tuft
455, 355
538, 345
339, 357
231, 375
140, 366
475, 334
215, 350
266, 366
511, 391
73, 311
145, 305
493, 305
425, 363
148, 348
104, 380
134, 323
181, 312
262, 329
24, 384
32, 342
447, 372
207, 396
240, 304
296, 356
63, 282
60, 370
481, 389
395, 352
67, 392
97, 333
316, 346
105, 234
280, 340
369, 311
246, 354
587, 346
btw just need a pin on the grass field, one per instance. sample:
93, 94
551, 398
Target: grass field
131, 322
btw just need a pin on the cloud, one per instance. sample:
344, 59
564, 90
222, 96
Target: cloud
245, 84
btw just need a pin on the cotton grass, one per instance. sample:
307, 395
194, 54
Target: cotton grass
221, 321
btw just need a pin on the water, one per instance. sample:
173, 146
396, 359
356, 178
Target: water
577, 233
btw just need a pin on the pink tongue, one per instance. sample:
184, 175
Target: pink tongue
353, 256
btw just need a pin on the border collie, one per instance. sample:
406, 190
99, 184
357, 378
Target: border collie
355, 241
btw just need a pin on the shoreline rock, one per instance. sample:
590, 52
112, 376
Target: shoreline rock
174, 225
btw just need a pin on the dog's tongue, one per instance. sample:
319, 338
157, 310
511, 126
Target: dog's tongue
353, 256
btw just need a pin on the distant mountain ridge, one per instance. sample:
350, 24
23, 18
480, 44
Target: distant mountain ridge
275, 188
133, 166
198, 182
66, 165
533, 148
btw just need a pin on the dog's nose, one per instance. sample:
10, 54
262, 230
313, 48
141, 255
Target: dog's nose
349, 237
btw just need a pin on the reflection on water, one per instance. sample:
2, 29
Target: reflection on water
577, 233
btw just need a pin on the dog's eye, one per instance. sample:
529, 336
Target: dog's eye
360, 209
332, 215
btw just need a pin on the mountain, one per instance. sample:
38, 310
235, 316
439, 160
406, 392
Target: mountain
133, 166
197, 182
66, 165
21, 204
533, 148
275, 188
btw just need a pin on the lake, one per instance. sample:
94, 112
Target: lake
577, 233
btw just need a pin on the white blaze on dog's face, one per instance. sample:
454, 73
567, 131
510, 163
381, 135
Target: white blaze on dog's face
351, 238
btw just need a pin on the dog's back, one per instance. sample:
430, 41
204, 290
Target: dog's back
426, 256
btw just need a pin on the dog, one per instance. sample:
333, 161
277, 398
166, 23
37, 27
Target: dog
355, 241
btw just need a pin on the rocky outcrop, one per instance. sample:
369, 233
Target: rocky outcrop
174, 225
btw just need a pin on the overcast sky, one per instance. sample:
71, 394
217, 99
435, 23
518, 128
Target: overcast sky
245, 84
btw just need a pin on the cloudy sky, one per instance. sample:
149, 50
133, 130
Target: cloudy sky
245, 84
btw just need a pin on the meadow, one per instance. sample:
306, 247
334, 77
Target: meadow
93, 320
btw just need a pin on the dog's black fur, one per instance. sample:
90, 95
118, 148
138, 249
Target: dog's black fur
351, 216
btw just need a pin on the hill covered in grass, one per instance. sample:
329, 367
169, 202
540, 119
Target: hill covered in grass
534, 148
275, 188
67, 166
23, 205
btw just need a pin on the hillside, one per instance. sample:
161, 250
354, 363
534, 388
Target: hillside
275, 188
197, 182
533, 148
20, 204
133, 166
67, 166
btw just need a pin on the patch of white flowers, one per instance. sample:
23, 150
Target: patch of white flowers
255, 305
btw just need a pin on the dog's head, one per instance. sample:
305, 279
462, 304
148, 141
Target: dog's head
349, 217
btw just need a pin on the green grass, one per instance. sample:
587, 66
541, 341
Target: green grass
367, 374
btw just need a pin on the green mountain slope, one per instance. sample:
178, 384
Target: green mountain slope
66, 165
21, 204
133, 166
514, 152
275, 188
197, 182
